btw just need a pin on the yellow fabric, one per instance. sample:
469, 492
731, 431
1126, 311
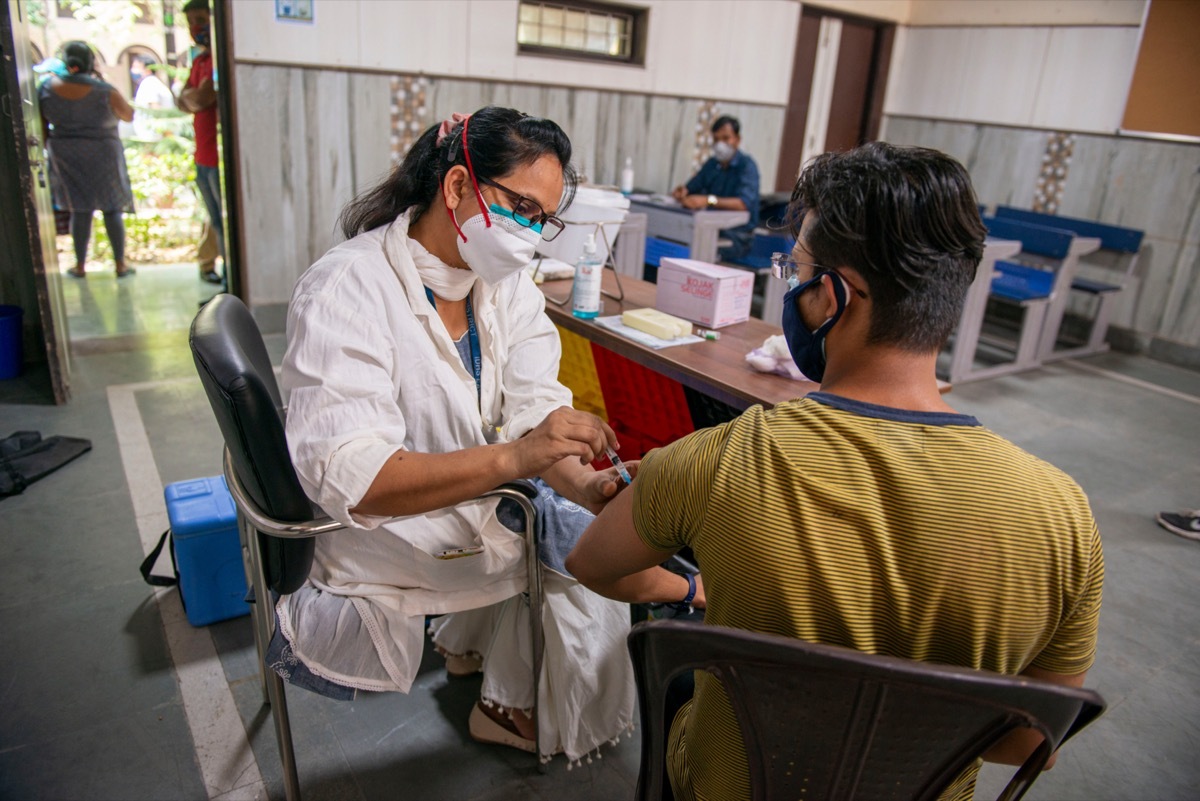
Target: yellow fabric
920, 536
577, 372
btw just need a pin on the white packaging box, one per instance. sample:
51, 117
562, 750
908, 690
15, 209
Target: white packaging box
708, 294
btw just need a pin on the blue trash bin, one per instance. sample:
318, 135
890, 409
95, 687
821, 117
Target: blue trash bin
10, 341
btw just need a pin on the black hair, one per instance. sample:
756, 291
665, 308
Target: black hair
79, 55
499, 139
724, 120
907, 220
195, 5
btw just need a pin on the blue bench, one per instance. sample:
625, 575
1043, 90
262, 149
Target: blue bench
1035, 283
1021, 284
1120, 245
764, 244
1050, 248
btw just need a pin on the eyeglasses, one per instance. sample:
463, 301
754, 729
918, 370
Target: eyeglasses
529, 213
785, 267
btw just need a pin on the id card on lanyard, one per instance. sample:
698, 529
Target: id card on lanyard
472, 342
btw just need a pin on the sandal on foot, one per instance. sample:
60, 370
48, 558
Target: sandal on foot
126, 272
485, 730
76, 272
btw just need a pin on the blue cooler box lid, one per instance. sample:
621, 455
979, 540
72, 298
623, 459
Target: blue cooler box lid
199, 506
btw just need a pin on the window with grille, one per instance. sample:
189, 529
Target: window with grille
599, 31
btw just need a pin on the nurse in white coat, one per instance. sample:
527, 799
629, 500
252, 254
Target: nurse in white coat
422, 371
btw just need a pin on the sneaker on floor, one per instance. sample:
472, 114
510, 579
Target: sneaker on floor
212, 277
1185, 524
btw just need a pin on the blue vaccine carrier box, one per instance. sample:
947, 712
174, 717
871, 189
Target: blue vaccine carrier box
208, 551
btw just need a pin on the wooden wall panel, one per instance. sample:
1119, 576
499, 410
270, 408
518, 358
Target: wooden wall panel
1139, 183
313, 139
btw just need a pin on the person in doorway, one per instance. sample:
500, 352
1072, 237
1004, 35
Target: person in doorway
882, 519
728, 180
199, 98
152, 94
422, 371
87, 161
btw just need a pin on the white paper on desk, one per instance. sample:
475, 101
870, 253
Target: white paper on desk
649, 340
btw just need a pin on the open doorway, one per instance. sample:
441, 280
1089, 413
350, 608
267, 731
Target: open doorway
839, 77
172, 251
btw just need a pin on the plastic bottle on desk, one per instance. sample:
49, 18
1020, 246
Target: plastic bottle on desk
627, 176
585, 292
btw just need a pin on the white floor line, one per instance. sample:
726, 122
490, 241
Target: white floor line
1137, 382
227, 764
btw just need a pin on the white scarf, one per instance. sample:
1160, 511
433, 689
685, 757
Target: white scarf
449, 283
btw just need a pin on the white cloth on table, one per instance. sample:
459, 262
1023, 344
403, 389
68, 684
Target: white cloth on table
371, 369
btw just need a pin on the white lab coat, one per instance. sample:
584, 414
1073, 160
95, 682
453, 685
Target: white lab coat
370, 369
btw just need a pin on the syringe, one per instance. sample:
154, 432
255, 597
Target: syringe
622, 470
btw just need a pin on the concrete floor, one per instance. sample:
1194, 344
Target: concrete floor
109, 694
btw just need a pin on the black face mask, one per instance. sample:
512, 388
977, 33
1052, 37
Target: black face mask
808, 347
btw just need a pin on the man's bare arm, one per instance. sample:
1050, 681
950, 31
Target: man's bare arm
1016, 747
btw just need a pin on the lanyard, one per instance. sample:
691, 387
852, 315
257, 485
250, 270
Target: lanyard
472, 341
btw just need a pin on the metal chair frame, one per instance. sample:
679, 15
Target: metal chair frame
254, 524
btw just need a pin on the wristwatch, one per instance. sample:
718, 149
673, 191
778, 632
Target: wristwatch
712, 201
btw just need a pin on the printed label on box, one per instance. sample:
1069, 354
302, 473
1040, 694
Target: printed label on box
709, 294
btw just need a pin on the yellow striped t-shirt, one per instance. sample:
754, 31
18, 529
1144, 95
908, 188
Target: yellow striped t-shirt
917, 535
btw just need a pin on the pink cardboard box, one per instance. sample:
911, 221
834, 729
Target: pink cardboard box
708, 294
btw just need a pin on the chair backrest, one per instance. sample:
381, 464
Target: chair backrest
1112, 237
821, 721
1039, 239
236, 372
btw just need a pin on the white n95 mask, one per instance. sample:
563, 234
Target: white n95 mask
497, 251
723, 151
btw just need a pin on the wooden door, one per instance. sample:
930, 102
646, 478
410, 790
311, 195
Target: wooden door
32, 276
839, 77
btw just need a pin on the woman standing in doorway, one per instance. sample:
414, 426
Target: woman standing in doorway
87, 161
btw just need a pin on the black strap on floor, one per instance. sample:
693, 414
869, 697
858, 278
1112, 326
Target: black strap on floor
25, 457
152, 557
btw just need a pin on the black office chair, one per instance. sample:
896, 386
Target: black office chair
277, 521
832, 723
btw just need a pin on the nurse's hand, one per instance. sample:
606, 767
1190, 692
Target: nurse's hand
565, 432
598, 488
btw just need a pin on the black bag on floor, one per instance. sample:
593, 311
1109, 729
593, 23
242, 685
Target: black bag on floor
25, 457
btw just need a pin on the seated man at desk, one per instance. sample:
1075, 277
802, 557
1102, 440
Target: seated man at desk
869, 514
728, 180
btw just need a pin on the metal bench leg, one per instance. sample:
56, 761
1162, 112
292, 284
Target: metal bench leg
1032, 328
1096, 339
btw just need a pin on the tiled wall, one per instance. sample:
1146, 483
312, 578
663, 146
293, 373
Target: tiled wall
312, 139
1151, 185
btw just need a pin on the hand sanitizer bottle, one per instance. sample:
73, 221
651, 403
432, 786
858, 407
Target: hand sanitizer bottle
627, 176
586, 289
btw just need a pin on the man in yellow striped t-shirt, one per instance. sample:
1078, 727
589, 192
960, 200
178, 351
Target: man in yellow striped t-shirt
869, 514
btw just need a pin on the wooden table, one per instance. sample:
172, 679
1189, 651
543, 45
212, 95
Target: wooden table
716, 368
667, 219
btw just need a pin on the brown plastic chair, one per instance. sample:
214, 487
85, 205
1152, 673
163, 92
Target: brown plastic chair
278, 523
831, 723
